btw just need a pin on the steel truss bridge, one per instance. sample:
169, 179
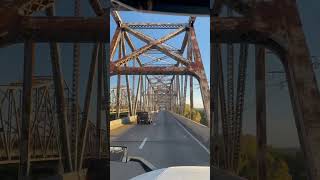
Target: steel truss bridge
162, 79
42, 119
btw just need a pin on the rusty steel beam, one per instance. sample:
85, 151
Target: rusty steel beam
66, 29
201, 76
178, 92
185, 42
136, 97
132, 47
57, 29
116, 17
118, 81
133, 88
155, 70
127, 77
114, 42
141, 92
145, 100
190, 57
185, 92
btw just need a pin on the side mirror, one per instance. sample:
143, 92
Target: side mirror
118, 153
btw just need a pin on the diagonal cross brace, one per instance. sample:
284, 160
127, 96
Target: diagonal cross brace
143, 49
159, 47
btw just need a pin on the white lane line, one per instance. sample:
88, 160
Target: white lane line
204, 147
143, 142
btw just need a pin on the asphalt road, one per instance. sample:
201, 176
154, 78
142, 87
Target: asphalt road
164, 143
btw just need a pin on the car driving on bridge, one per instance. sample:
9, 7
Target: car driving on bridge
143, 118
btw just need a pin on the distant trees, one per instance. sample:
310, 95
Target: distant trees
277, 167
196, 115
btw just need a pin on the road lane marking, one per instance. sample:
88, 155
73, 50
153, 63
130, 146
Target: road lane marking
143, 142
204, 147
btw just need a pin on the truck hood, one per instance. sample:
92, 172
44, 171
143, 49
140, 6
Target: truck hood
177, 173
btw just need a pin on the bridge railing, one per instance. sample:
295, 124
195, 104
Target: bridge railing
44, 131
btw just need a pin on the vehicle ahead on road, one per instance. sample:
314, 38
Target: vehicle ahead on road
143, 118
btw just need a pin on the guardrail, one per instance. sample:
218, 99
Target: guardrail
200, 131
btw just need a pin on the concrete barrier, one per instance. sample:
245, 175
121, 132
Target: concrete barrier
201, 132
123, 121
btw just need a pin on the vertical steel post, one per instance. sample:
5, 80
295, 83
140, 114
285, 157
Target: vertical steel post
119, 79
136, 97
29, 58
178, 94
230, 98
190, 57
85, 120
185, 92
145, 99
75, 95
127, 77
216, 102
99, 103
141, 92
191, 97
213, 39
133, 88
261, 114
60, 101
222, 108
240, 102
106, 77
203, 82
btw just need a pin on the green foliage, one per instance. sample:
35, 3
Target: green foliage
295, 161
196, 115
277, 167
